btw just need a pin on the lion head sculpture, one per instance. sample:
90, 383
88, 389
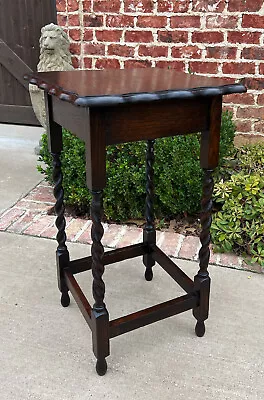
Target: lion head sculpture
54, 56
54, 49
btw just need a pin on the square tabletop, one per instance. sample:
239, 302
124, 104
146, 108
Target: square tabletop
111, 87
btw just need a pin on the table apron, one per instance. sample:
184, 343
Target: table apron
133, 122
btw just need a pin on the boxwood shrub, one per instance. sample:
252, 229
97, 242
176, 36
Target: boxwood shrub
177, 174
239, 225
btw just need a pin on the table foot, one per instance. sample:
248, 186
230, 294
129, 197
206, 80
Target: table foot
101, 366
149, 274
200, 329
65, 299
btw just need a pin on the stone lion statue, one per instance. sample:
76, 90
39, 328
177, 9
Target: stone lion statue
54, 56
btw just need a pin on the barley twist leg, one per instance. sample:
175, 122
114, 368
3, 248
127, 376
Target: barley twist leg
62, 254
100, 315
149, 233
202, 279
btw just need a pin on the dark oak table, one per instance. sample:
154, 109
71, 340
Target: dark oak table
117, 106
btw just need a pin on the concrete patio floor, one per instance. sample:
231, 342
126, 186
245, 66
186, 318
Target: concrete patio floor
46, 350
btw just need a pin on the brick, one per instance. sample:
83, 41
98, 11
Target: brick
250, 112
139, 36
253, 83
186, 52
248, 139
22, 223
171, 243
135, 6
108, 35
243, 126
189, 248
73, 20
153, 51
172, 36
42, 194
87, 62
112, 234
253, 21
51, 231
88, 35
185, 21
253, 53
92, 20
137, 64
244, 98
252, 267
208, 5
245, 5
173, 6
260, 99
75, 48
261, 68
106, 6
229, 108
221, 52
243, 37
221, 21
238, 68
227, 80
120, 21
203, 67
62, 19
87, 6
230, 260
32, 205
40, 225
207, 37
214, 257
94, 49
74, 228
9, 217
85, 237
61, 5
160, 237
73, 5
121, 50
177, 65
151, 22
259, 127
75, 34
75, 62
107, 63
132, 236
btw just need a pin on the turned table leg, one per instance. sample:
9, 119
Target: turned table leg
202, 279
149, 233
100, 315
62, 254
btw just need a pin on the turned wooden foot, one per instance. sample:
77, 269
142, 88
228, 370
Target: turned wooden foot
200, 329
101, 366
148, 274
65, 299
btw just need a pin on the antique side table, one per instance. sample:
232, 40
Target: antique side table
117, 106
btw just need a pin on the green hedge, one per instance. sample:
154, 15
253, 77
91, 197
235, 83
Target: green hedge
177, 174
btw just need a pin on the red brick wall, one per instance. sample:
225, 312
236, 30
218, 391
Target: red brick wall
218, 38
